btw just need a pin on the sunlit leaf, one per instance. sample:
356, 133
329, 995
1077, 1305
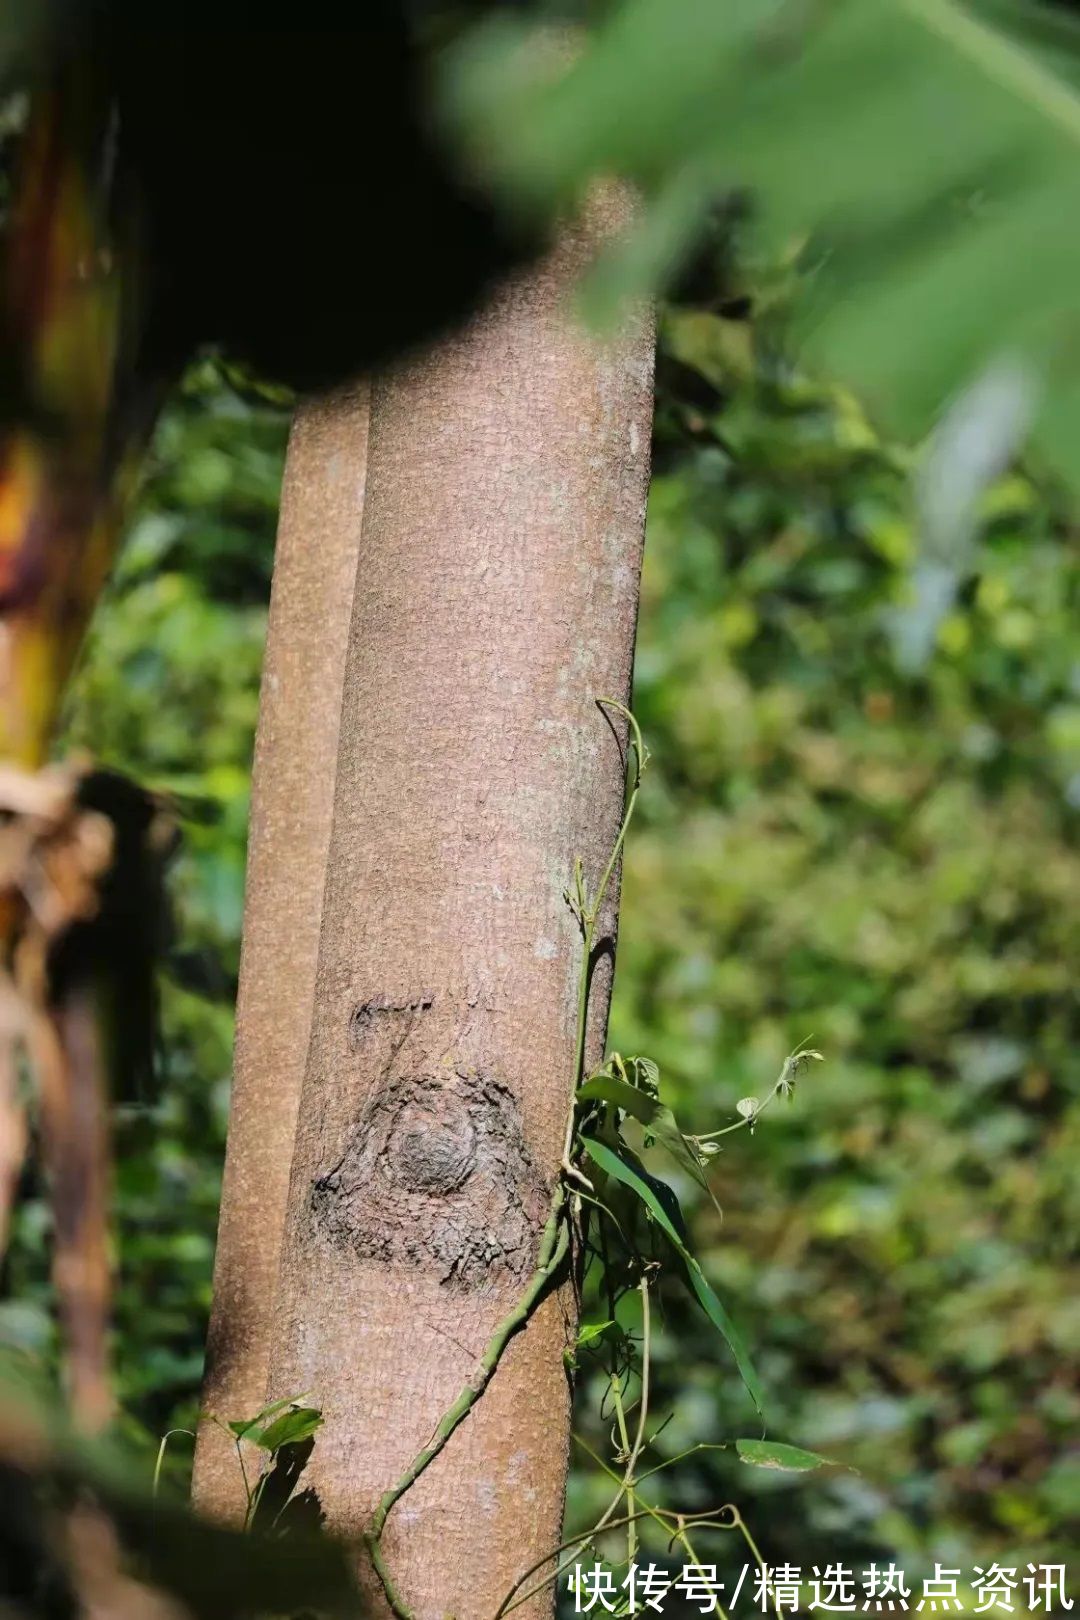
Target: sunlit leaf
289, 1429
243, 1428
772, 1454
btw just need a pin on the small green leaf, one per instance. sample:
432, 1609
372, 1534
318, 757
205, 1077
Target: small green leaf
771, 1454
662, 1204
648, 1074
279, 1406
291, 1427
590, 1331
242, 1427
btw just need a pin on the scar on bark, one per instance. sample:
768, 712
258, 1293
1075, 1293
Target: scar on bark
364, 1016
437, 1175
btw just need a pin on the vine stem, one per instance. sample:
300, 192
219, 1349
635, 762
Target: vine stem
512, 1601
702, 1445
678, 1525
742, 1525
783, 1083
554, 1247
607, 1520
683, 1538
247, 1487
664, 1517
627, 1487
588, 912
633, 1452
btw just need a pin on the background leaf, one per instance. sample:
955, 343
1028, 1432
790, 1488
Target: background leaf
772, 1454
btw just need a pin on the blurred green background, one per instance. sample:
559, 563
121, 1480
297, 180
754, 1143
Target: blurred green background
827, 847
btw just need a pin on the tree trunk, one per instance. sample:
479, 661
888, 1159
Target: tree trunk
495, 600
322, 503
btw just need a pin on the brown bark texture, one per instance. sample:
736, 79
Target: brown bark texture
495, 600
292, 804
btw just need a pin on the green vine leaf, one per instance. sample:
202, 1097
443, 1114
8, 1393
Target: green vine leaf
591, 1331
241, 1428
282, 1423
772, 1454
656, 1117
663, 1206
289, 1429
647, 1073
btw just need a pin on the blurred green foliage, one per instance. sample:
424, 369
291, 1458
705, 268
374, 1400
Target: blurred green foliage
826, 847
168, 692
888, 863
920, 155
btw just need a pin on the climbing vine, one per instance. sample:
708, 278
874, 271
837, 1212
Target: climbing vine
628, 1224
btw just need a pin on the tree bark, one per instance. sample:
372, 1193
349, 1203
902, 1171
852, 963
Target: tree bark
495, 600
296, 749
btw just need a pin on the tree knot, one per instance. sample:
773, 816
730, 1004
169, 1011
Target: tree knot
436, 1174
